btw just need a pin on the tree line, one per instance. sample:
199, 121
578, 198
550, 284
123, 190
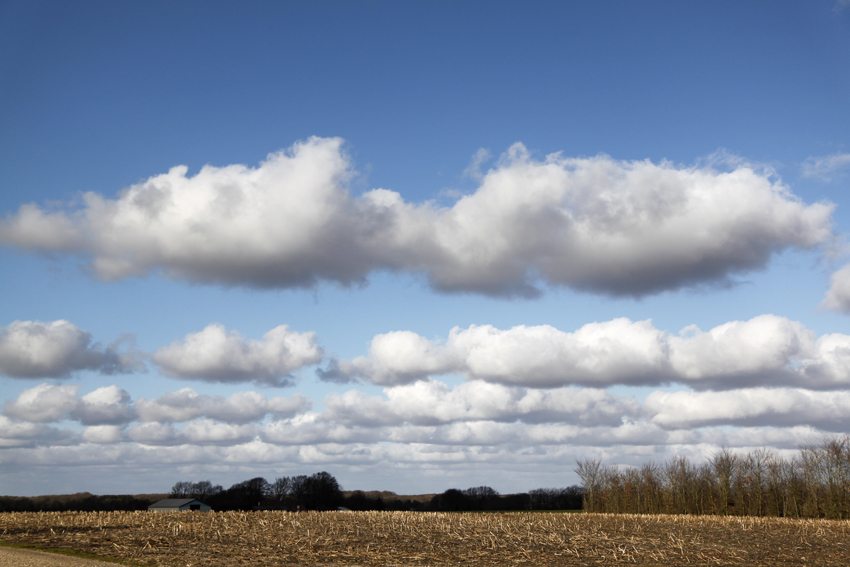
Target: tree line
321, 491
815, 483
75, 503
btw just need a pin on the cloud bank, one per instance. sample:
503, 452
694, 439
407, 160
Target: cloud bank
766, 350
242, 407
418, 418
440, 434
595, 224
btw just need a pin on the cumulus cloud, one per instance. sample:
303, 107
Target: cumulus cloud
36, 349
196, 432
826, 167
242, 407
153, 434
765, 350
310, 429
44, 403
414, 467
25, 434
478, 438
778, 407
103, 434
47, 402
215, 355
113, 406
208, 432
106, 405
421, 427
595, 224
432, 403
838, 296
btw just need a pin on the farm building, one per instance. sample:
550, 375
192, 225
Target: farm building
179, 505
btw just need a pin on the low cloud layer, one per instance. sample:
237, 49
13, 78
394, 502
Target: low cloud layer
111, 405
55, 349
216, 355
197, 432
764, 351
434, 403
594, 224
241, 407
425, 428
424, 412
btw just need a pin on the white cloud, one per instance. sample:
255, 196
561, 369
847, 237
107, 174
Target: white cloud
25, 434
215, 355
153, 434
434, 403
310, 429
480, 157
103, 434
36, 349
429, 428
765, 350
778, 407
196, 432
826, 167
838, 296
109, 405
242, 407
413, 467
594, 224
43, 403
208, 432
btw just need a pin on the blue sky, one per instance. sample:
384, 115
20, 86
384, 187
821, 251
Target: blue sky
352, 172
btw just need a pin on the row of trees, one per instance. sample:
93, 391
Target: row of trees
813, 484
321, 491
485, 498
81, 503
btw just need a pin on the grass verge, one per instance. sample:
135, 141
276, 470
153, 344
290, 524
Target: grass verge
73, 553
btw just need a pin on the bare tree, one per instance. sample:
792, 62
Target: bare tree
724, 463
181, 489
281, 487
590, 473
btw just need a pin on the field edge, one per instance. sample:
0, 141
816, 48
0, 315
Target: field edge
73, 553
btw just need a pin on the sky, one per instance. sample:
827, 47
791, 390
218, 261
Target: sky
418, 245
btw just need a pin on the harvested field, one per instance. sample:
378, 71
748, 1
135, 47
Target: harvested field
424, 538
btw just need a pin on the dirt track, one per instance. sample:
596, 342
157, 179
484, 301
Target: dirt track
10, 557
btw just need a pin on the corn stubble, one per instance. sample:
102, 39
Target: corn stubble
423, 538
